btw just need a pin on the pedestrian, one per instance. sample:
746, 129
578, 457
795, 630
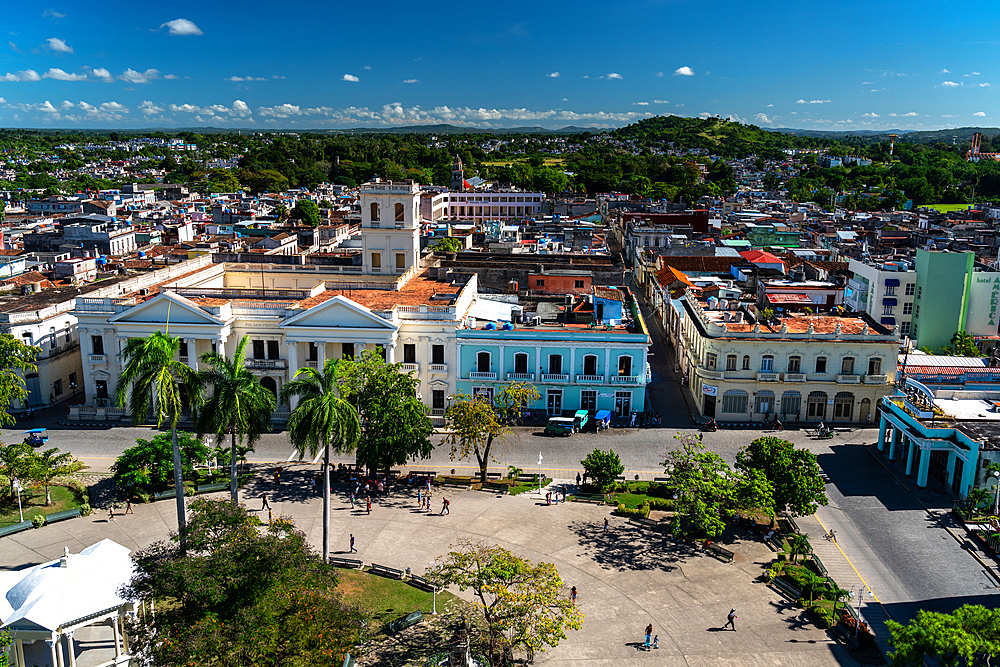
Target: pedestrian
572, 595
649, 636
731, 620
264, 505
548, 497
111, 512
605, 524
352, 499
369, 504
277, 476
444, 506
352, 543
313, 489
633, 419
128, 507
420, 499
656, 641
578, 479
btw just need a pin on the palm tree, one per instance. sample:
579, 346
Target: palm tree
154, 379
322, 419
240, 405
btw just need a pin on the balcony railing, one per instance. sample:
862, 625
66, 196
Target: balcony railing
711, 375
590, 378
767, 376
555, 377
795, 377
410, 368
624, 379
98, 358
876, 379
848, 379
267, 364
530, 377
482, 376
439, 368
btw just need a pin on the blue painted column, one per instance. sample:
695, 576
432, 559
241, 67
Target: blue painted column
909, 455
892, 441
968, 476
950, 472
925, 464
881, 433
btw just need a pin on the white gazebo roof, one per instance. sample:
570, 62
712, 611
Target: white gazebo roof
51, 596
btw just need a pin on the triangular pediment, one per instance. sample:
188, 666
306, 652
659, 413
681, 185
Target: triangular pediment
339, 312
167, 308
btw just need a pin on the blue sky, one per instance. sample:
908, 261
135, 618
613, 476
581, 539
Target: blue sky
253, 64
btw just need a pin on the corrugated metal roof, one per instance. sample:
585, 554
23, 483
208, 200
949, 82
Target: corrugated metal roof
941, 361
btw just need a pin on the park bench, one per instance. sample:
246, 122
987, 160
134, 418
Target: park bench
661, 480
597, 498
424, 473
453, 484
495, 487
494, 475
819, 566
792, 523
404, 622
210, 488
421, 583
721, 553
387, 571
62, 516
774, 544
347, 563
15, 528
533, 477
620, 478
164, 495
787, 589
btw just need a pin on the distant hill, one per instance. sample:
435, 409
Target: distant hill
456, 129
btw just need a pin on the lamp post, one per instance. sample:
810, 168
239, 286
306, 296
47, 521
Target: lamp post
539, 473
852, 595
996, 501
17, 487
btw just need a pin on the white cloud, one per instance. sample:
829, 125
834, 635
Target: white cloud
661, 101
59, 45
812, 102
184, 108
103, 74
13, 47
66, 104
684, 71
640, 104
878, 90
659, 74
769, 106
411, 80
132, 76
911, 114
971, 74
986, 85
244, 78
763, 118
553, 75
614, 75
241, 109
23, 75
705, 114
149, 109
351, 78
870, 114
950, 84
181, 27
281, 111
368, 66
114, 107
867, 83
948, 115
52, 14
980, 113
945, 71
61, 75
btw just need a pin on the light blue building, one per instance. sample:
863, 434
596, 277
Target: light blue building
581, 354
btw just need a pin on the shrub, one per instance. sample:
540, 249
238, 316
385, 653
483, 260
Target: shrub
143, 497
775, 570
640, 512
86, 509
603, 467
661, 503
824, 617
38, 520
513, 472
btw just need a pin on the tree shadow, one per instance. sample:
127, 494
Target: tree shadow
630, 547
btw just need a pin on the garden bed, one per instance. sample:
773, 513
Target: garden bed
33, 503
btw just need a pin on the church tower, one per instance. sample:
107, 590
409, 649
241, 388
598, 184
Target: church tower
457, 175
390, 226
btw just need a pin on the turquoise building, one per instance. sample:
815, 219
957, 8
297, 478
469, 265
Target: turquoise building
596, 365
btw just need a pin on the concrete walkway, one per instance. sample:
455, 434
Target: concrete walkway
626, 577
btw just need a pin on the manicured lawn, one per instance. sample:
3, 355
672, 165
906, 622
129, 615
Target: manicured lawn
33, 502
947, 208
387, 599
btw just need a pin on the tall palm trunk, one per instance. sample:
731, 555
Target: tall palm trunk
326, 503
179, 489
234, 492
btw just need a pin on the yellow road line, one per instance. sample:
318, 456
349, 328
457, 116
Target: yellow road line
820, 522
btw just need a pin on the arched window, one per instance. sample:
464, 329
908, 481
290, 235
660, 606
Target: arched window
624, 365
521, 363
847, 366
746, 362
791, 403
816, 405
735, 401
767, 363
763, 401
590, 364
374, 209
843, 406
483, 362
875, 366
399, 212
794, 364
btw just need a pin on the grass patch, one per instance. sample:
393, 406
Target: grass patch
523, 487
947, 208
33, 503
386, 599
633, 495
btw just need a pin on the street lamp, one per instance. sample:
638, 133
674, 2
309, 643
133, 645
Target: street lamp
540, 474
996, 502
851, 594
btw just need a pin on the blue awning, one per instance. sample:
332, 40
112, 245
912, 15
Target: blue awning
892, 282
888, 302
891, 321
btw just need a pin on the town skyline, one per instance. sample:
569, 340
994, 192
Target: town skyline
242, 66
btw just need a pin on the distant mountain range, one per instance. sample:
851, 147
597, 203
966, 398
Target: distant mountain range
957, 134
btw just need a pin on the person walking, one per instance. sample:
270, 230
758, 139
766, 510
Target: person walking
353, 550
444, 506
633, 419
578, 479
369, 504
129, 510
572, 595
420, 499
605, 524
352, 499
649, 636
111, 512
656, 642
730, 620
264, 505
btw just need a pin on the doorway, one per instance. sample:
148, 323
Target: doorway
554, 402
623, 403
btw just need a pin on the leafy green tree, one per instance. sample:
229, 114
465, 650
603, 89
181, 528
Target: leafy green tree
239, 404
754, 491
3, 209
265, 180
307, 211
794, 474
154, 378
16, 360
148, 466
703, 485
603, 468
281, 213
799, 545
964, 345
242, 594
395, 427
448, 244
523, 604
968, 636
321, 421
48, 465
15, 462
479, 422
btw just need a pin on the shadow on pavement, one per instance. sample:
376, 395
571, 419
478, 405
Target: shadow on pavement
628, 548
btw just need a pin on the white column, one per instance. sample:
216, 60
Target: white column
121, 621
19, 652
53, 643
70, 649
500, 366
293, 366
320, 355
118, 649
192, 344
572, 363
538, 362
390, 353
607, 365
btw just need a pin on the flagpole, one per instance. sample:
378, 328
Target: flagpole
539, 473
